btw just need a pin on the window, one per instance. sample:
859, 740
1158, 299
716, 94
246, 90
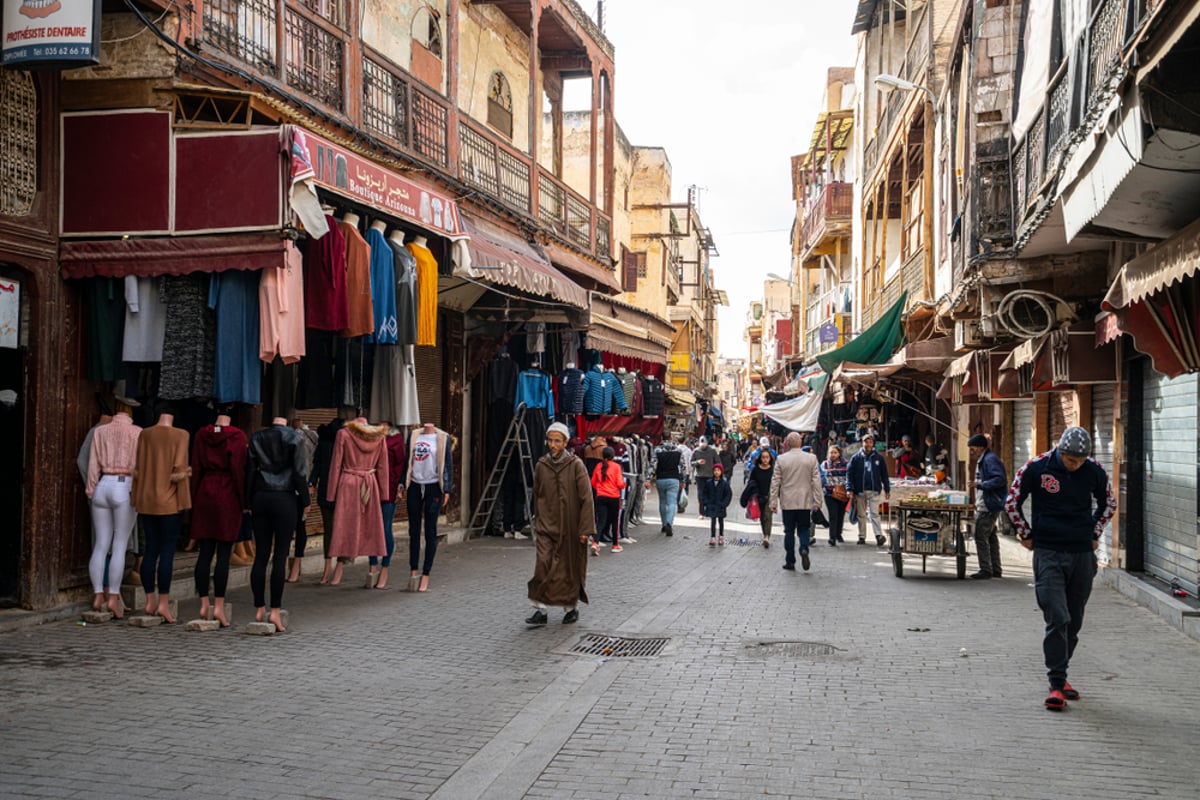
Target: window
426, 31
500, 106
18, 143
244, 29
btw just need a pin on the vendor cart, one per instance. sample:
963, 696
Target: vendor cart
926, 528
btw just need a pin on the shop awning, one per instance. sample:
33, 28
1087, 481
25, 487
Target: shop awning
116, 258
875, 345
960, 365
587, 272
681, 397
798, 414
620, 338
1168, 262
499, 257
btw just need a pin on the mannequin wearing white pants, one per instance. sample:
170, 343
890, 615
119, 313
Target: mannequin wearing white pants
113, 518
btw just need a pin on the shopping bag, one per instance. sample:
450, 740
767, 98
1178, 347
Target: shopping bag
682, 505
853, 518
753, 512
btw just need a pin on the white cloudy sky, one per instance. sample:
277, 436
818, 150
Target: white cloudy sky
732, 91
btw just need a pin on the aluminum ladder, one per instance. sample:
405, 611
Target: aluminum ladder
515, 441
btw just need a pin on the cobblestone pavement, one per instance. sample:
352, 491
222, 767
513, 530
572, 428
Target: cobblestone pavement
447, 695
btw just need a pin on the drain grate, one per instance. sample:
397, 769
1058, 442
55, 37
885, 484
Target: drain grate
593, 644
793, 649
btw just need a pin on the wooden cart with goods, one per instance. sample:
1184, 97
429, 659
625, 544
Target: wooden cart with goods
929, 528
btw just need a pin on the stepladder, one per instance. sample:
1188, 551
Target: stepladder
515, 454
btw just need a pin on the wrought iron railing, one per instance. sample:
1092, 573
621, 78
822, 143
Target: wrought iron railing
604, 239
835, 202
245, 29
314, 59
395, 107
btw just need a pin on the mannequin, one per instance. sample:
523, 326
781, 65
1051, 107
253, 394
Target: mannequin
427, 281
396, 237
161, 493
358, 475
276, 487
394, 443
429, 482
308, 446
421, 241
218, 487
350, 218
379, 225
111, 462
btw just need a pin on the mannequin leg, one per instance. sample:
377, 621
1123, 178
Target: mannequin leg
124, 520
208, 547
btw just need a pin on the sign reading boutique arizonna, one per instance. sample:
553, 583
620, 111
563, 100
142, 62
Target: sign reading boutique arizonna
56, 34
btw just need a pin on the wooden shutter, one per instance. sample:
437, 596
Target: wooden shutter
629, 269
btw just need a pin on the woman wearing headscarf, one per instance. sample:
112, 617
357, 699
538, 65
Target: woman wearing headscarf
564, 523
758, 484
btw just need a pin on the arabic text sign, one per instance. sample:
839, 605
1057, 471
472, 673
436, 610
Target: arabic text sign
51, 33
353, 176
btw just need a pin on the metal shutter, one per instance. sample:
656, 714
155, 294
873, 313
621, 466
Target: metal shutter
1062, 414
430, 364
1022, 433
1170, 505
1102, 450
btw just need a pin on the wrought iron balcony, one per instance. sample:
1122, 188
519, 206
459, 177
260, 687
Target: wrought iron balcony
833, 206
914, 68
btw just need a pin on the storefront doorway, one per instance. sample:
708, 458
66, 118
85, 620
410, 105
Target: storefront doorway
13, 346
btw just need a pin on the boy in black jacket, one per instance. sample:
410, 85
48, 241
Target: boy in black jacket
1072, 500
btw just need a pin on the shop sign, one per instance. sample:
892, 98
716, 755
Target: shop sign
51, 34
10, 313
828, 333
351, 175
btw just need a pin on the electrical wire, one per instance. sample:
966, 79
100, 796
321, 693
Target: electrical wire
1008, 321
131, 37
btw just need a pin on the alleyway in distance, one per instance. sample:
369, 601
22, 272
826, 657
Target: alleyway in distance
447, 695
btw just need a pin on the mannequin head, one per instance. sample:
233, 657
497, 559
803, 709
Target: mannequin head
420, 241
379, 225
429, 427
350, 218
396, 236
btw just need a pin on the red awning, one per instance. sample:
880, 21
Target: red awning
116, 258
503, 258
592, 275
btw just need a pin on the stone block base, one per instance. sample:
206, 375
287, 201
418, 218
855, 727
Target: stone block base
143, 621
96, 617
202, 625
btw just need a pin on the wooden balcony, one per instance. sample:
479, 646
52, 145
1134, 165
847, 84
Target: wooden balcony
830, 214
366, 91
914, 68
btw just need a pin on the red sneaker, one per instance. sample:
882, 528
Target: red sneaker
1069, 692
1055, 700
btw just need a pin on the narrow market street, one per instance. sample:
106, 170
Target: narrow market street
843, 682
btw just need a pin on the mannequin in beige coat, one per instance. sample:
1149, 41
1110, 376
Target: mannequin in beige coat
796, 489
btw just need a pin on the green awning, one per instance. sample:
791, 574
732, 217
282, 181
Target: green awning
875, 345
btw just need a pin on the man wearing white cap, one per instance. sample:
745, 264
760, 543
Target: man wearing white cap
1072, 500
564, 522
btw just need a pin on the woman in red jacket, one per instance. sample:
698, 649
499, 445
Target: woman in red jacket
608, 480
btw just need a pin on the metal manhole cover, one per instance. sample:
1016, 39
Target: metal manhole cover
593, 644
793, 649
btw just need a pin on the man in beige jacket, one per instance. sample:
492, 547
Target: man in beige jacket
796, 488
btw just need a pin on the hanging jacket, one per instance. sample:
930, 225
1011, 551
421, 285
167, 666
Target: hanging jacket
653, 397
602, 392
319, 477
533, 389
570, 391
276, 463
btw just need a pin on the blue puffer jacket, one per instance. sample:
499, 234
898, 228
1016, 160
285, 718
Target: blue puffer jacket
602, 392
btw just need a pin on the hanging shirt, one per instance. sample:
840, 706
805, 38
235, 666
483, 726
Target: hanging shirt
535, 337
383, 288
359, 295
145, 320
237, 375
502, 379
427, 289
405, 268
533, 389
105, 328
325, 301
281, 310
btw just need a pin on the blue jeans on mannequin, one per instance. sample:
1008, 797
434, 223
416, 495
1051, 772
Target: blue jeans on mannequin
389, 537
424, 505
668, 498
795, 521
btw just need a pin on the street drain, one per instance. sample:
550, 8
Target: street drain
793, 649
593, 644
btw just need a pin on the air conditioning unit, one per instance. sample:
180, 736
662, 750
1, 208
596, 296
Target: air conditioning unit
967, 334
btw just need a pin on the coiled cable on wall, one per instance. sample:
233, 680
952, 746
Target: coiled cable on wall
1007, 319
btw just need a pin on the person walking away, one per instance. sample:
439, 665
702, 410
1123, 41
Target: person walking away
1071, 500
564, 522
719, 496
759, 485
666, 465
608, 480
703, 459
833, 482
686, 471
866, 479
796, 491
990, 484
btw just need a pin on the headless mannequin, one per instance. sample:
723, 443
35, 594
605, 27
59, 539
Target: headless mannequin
335, 577
260, 613
421, 241
396, 237
111, 599
166, 420
415, 576
350, 218
160, 602
379, 225
218, 613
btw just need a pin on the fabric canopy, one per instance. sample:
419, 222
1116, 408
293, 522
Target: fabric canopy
503, 258
875, 345
599, 277
798, 414
179, 255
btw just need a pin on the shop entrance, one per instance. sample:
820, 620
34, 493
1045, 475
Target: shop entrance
12, 431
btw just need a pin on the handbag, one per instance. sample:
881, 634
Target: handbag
818, 519
753, 512
839, 492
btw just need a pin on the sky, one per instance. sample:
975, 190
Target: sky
732, 91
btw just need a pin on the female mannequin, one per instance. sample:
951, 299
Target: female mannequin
429, 481
111, 461
161, 493
276, 486
308, 445
219, 495
358, 474
394, 442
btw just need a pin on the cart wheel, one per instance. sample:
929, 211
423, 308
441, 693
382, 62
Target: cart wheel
962, 567
898, 564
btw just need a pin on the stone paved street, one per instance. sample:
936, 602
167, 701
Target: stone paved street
447, 695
